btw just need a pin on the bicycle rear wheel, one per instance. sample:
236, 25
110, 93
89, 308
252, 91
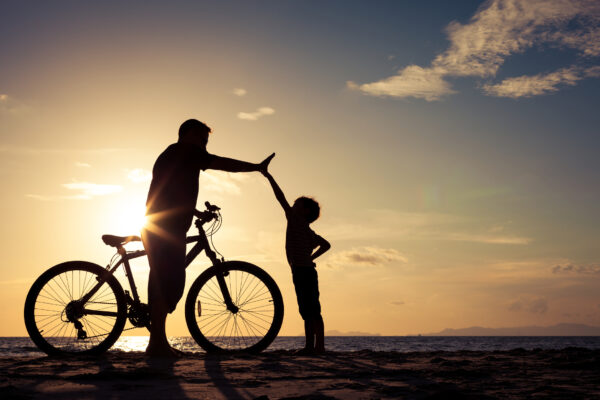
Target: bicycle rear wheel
258, 318
59, 324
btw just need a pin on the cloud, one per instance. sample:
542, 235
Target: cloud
365, 256
423, 83
82, 164
533, 305
10, 105
588, 269
87, 191
499, 29
253, 116
33, 151
92, 189
535, 85
139, 175
222, 182
488, 239
398, 303
239, 92
386, 224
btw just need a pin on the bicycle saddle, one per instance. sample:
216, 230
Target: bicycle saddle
116, 241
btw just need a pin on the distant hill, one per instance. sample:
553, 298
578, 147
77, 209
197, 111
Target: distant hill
351, 333
554, 330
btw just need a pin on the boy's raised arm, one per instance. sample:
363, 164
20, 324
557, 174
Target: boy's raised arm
278, 192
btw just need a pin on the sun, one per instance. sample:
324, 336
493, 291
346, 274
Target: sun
129, 219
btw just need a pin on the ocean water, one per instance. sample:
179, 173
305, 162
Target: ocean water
24, 347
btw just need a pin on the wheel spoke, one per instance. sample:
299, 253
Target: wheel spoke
52, 313
256, 315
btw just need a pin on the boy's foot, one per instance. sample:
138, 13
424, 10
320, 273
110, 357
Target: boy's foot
304, 352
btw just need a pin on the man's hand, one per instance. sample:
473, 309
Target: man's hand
263, 167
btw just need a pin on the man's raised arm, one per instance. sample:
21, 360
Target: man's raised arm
232, 165
278, 192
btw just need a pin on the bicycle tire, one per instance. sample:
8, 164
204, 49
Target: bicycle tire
260, 309
59, 286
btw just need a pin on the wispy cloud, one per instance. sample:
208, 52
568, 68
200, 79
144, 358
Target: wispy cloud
365, 256
82, 164
386, 224
86, 191
586, 269
240, 92
139, 175
486, 238
499, 29
222, 182
253, 116
414, 81
10, 105
32, 151
534, 85
530, 304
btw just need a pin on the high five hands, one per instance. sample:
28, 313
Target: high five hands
263, 167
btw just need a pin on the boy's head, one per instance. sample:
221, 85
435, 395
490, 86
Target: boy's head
308, 208
194, 131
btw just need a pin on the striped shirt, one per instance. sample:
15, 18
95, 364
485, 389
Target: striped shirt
300, 241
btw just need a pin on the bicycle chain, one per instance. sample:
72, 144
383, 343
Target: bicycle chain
106, 334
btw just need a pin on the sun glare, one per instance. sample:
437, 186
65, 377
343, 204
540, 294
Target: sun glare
129, 220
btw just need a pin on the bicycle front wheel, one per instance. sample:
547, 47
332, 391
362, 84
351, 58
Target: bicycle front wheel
255, 323
59, 323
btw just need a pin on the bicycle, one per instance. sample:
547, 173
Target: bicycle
78, 307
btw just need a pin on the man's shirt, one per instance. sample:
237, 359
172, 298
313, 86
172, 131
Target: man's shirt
174, 188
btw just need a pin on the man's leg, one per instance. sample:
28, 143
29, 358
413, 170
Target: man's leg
165, 288
158, 344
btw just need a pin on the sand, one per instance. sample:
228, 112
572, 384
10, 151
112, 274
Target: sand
542, 374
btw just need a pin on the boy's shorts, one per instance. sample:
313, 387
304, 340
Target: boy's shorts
306, 283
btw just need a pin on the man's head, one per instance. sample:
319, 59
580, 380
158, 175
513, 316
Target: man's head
194, 131
308, 208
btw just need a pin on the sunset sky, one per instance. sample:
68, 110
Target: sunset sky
453, 146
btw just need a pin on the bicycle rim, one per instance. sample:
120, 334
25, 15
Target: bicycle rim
48, 301
258, 319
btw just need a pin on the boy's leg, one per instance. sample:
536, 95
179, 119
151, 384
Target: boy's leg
319, 334
309, 332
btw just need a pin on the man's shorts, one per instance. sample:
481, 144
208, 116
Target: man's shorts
167, 268
306, 283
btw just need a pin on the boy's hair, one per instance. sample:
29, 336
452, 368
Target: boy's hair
314, 209
193, 125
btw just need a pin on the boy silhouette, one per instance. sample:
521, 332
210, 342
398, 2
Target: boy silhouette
300, 242
170, 209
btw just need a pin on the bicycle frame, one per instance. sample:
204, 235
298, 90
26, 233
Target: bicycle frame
201, 244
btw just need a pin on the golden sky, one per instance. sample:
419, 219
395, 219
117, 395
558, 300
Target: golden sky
458, 184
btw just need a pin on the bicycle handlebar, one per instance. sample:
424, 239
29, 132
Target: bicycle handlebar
211, 207
211, 212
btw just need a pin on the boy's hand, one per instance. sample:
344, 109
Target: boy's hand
263, 167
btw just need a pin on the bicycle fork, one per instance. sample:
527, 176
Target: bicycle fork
225, 291
202, 244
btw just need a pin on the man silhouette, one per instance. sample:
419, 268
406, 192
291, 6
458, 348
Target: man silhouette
170, 209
